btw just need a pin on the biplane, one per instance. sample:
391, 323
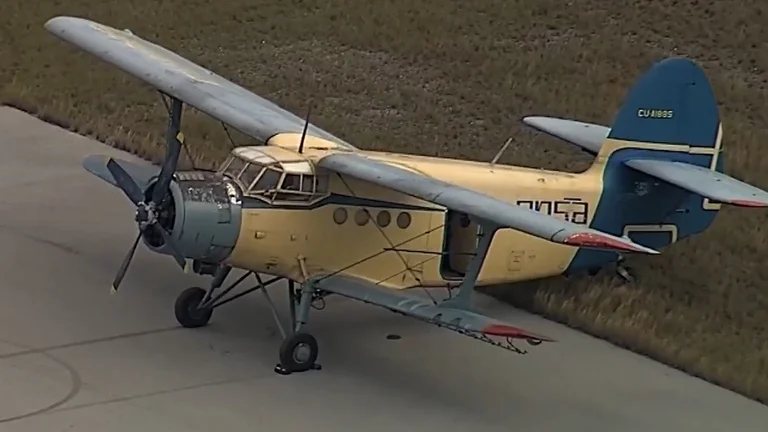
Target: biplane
309, 208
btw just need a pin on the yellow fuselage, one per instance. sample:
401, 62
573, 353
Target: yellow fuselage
374, 242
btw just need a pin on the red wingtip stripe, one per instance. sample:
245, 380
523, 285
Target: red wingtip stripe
598, 241
749, 203
504, 330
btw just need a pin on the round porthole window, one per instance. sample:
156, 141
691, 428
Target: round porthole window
403, 220
362, 217
340, 215
383, 218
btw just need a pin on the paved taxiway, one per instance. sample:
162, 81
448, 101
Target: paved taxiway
72, 357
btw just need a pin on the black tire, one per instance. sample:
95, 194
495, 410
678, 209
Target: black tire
298, 352
187, 312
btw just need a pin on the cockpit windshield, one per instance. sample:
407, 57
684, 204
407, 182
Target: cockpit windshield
234, 166
263, 176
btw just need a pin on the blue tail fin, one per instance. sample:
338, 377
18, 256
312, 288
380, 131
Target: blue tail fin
671, 115
672, 103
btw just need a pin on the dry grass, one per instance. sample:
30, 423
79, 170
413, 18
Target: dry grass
452, 77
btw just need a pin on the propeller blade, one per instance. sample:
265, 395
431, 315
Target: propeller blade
174, 248
169, 168
124, 267
125, 182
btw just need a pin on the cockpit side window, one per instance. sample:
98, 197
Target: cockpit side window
307, 184
321, 183
271, 182
290, 188
250, 174
267, 182
291, 182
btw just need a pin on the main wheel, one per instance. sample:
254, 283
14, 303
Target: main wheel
298, 353
188, 314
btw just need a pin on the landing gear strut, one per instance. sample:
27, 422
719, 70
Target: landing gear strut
624, 272
299, 349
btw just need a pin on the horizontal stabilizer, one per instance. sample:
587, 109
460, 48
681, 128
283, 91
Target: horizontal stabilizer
142, 174
397, 301
705, 182
588, 136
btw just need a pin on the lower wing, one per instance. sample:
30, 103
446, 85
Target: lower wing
440, 314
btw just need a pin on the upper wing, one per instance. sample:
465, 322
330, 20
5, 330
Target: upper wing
184, 80
475, 203
460, 320
705, 182
588, 136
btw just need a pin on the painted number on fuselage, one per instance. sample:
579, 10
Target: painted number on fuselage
571, 209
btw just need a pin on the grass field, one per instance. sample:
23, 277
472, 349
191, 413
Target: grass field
453, 78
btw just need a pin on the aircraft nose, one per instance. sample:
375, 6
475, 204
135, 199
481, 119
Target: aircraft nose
207, 219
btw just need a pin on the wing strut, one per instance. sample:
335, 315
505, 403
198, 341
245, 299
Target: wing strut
463, 299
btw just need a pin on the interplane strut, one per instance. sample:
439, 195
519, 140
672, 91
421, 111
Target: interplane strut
463, 299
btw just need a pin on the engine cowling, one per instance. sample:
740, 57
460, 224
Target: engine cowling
203, 216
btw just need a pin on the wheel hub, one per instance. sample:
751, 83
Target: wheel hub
301, 353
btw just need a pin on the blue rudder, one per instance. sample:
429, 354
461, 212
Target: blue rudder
670, 114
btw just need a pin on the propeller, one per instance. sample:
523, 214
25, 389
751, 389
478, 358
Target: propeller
147, 212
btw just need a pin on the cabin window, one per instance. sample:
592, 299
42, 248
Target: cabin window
404, 220
361, 217
383, 219
340, 215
